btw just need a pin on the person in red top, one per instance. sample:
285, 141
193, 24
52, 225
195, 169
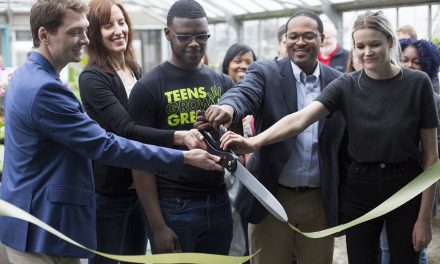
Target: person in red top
331, 53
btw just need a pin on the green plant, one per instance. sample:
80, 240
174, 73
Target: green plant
436, 41
2, 129
74, 70
2, 147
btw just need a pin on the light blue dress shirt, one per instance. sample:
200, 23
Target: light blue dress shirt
302, 168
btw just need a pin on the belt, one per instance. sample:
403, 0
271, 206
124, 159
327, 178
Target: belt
300, 188
202, 197
387, 165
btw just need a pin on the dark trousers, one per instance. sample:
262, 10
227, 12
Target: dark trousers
121, 227
368, 185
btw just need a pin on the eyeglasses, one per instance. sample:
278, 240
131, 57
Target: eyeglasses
200, 38
307, 37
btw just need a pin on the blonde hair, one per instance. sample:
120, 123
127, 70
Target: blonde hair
377, 21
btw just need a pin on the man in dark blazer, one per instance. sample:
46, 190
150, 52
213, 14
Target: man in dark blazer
302, 172
50, 143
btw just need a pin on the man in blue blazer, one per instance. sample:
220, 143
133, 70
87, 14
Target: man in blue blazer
50, 143
302, 172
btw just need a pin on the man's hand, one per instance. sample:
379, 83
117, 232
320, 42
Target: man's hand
202, 159
202, 123
216, 115
192, 139
166, 240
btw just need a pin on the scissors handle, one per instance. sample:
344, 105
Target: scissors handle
228, 159
222, 130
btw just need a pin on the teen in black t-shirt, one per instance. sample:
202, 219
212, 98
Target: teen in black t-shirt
190, 212
168, 98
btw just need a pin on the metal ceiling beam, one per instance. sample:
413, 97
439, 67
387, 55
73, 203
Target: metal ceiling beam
259, 5
147, 8
282, 3
339, 7
266, 15
243, 6
230, 19
377, 4
222, 9
302, 3
334, 15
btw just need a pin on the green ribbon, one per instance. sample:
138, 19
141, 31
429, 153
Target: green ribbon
411, 190
7, 209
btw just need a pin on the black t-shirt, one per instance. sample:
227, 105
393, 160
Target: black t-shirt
383, 116
168, 98
105, 101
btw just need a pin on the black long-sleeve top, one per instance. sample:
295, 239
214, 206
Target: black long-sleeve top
105, 100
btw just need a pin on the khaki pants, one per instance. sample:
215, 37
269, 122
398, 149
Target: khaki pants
278, 242
17, 257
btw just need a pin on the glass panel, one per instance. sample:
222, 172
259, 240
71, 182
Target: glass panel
222, 38
212, 9
251, 6
251, 35
261, 36
147, 45
416, 16
270, 5
435, 16
340, 1
269, 41
232, 7
23, 35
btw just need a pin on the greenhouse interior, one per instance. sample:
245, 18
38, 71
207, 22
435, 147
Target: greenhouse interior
255, 23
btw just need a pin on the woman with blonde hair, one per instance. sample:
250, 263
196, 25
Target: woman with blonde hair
391, 119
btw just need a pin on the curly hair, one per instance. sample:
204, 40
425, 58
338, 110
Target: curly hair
429, 55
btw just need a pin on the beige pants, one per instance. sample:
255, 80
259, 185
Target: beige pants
278, 242
17, 257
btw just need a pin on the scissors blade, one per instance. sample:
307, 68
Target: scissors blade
260, 192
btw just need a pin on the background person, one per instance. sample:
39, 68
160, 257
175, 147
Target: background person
424, 56
353, 63
281, 37
406, 32
235, 64
331, 53
237, 60
383, 165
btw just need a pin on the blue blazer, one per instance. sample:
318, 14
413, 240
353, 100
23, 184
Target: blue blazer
49, 146
269, 93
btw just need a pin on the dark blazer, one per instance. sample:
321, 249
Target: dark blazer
47, 172
340, 59
269, 93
